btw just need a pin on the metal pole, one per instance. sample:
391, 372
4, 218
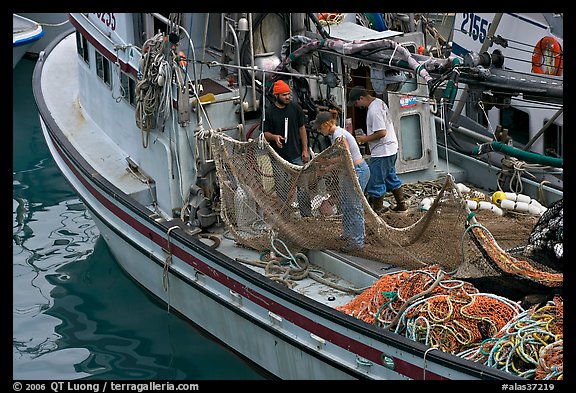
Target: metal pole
485, 44
539, 133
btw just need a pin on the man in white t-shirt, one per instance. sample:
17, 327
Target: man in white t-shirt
381, 139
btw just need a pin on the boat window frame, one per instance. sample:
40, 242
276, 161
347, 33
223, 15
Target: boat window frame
130, 98
82, 48
103, 68
517, 122
553, 139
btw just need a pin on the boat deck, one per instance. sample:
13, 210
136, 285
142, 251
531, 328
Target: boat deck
60, 89
320, 266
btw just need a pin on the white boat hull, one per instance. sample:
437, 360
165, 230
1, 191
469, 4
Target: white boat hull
290, 335
219, 301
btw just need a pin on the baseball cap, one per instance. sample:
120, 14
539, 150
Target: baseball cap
322, 117
355, 93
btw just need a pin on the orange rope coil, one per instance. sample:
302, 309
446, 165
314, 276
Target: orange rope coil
454, 317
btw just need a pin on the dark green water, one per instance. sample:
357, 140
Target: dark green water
76, 314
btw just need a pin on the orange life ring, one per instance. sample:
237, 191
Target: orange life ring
547, 57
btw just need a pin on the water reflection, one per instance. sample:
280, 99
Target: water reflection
76, 314
44, 240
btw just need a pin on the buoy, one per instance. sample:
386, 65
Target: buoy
535, 210
462, 188
426, 203
518, 197
498, 197
509, 204
472, 205
485, 205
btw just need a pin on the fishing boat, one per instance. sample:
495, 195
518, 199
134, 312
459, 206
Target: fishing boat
25, 32
521, 133
155, 120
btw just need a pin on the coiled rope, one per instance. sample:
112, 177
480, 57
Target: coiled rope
530, 345
153, 88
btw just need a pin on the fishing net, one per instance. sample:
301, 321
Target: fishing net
429, 306
452, 295
320, 206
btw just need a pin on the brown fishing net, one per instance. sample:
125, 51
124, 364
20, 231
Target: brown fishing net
451, 258
264, 198
320, 206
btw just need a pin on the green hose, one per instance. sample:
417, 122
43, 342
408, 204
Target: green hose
527, 156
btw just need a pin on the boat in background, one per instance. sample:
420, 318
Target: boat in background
53, 24
522, 132
25, 32
154, 119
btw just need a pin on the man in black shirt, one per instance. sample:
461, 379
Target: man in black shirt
284, 128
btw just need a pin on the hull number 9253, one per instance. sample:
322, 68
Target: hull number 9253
108, 19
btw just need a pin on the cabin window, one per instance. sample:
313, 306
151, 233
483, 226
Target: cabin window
411, 46
411, 138
128, 85
517, 122
553, 137
410, 85
82, 47
103, 68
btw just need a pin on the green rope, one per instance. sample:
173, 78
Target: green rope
392, 296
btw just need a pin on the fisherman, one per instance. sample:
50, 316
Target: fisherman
353, 214
284, 127
383, 144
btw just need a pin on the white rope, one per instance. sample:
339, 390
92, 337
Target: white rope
442, 120
481, 105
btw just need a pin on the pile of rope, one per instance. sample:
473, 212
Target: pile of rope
530, 345
160, 63
429, 306
150, 86
280, 265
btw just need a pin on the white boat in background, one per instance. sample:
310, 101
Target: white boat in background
53, 23
154, 119
532, 126
25, 32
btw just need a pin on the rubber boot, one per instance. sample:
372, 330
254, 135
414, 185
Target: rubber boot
378, 205
401, 204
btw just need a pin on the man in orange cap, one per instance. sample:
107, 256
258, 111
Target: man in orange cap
284, 128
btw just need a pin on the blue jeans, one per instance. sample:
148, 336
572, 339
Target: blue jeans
383, 176
353, 213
